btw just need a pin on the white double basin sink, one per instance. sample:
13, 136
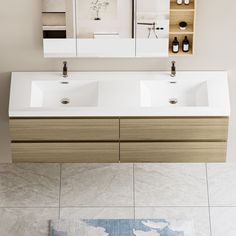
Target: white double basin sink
105, 94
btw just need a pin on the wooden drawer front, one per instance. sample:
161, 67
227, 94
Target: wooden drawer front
65, 152
174, 129
173, 152
64, 129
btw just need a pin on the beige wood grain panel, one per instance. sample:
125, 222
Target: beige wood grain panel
174, 129
65, 152
64, 129
189, 152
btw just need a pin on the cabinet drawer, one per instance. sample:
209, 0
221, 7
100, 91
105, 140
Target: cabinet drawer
64, 129
174, 129
173, 152
66, 152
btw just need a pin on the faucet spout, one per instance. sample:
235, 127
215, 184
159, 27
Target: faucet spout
173, 69
65, 69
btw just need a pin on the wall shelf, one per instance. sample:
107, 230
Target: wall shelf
180, 13
174, 29
181, 53
175, 7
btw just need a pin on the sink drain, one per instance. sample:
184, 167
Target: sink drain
173, 101
65, 101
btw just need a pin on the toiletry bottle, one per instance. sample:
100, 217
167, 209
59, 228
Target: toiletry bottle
185, 45
175, 45
186, 2
183, 25
179, 2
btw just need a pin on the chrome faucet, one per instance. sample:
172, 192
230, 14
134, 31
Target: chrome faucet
173, 69
65, 69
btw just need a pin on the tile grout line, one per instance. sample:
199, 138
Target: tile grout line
56, 207
208, 196
134, 205
161, 206
88, 206
59, 210
128, 206
30, 207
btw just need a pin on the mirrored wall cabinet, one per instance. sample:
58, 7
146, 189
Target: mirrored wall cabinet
59, 28
118, 28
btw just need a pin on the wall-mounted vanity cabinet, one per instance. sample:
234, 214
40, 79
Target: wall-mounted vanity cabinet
112, 28
119, 117
119, 139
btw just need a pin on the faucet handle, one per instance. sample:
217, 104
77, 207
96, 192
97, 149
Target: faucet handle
65, 69
173, 69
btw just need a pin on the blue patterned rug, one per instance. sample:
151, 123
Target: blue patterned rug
121, 228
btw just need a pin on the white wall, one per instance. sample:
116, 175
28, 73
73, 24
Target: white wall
21, 50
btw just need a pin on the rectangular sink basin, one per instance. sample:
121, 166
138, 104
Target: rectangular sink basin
71, 93
181, 93
119, 94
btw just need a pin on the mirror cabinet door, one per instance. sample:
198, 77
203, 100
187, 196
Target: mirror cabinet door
59, 28
105, 28
152, 28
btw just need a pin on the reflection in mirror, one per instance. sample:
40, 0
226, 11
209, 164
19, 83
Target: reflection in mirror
152, 28
105, 28
59, 28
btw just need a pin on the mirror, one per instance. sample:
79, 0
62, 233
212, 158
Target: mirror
59, 28
106, 28
152, 28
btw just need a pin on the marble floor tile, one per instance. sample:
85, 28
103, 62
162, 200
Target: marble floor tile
199, 216
97, 213
170, 185
222, 184
97, 185
30, 185
26, 221
223, 221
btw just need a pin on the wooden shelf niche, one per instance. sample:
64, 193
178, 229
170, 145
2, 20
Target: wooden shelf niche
180, 13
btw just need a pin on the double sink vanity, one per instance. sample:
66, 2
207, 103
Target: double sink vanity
113, 117
119, 116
